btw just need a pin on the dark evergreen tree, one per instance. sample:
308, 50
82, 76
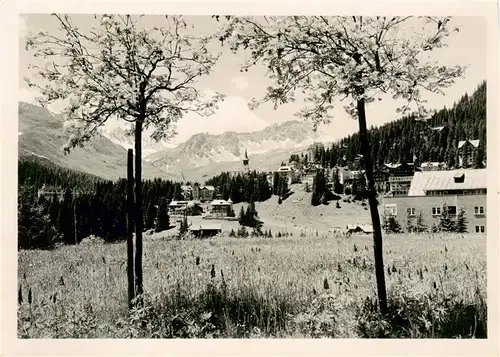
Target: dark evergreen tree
150, 216
446, 224
420, 226
461, 225
162, 221
35, 230
319, 189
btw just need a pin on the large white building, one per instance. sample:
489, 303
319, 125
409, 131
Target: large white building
430, 190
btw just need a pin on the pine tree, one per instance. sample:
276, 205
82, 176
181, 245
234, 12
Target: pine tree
67, 218
338, 188
446, 224
242, 216
319, 189
410, 224
183, 229
461, 225
420, 226
162, 221
150, 216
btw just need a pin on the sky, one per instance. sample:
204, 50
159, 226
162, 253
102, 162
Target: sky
468, 47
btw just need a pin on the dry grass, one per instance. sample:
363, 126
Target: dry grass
271, 287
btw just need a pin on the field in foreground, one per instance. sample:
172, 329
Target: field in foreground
256, 287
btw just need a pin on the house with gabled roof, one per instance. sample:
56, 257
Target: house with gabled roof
467, 152
430, 191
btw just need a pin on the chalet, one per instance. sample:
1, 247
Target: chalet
48, 193
205, 230
359, 228
394, 179
308, 179
430, 190
177, 207
433, 166
467, 152
345, 175
203, 193
221, 208
289, 173
311, 151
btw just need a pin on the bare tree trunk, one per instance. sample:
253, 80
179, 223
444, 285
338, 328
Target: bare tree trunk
130, 226
138, 208
372, 201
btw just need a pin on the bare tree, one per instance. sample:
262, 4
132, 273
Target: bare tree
354, 58
120, 69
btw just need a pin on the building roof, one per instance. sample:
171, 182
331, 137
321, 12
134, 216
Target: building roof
210, 188
220, 203
395, 166
186, 188
177, 203
474, 143
367, 228
432, 164
438, 128
206, 226
445, 180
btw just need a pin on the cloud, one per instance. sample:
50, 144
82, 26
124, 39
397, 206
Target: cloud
233, 115
29, 95
240, 82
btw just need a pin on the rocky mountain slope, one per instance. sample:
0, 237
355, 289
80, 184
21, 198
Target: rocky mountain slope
41, 134
228, 149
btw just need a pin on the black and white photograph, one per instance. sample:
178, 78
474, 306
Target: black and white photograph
261, 176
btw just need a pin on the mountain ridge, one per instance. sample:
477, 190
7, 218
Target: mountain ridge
41, 133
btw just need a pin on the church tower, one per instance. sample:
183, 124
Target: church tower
246, 161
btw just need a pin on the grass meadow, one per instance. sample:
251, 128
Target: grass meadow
314, 286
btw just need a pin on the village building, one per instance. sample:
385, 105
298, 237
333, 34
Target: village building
289, 173
346, 176
433, 166
203, 193
394, 179
308, 179
430, 190
359, 228
205, 230
177, 207
467, 152
311, 151
48, 193
221, 208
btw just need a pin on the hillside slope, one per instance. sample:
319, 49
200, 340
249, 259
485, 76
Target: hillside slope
41, 134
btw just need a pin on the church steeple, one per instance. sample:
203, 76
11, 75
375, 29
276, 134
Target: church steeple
245, 159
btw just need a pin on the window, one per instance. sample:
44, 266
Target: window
452, 210
436, 211
482, 229
478, 210
391, 209
477, 229
410, 211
